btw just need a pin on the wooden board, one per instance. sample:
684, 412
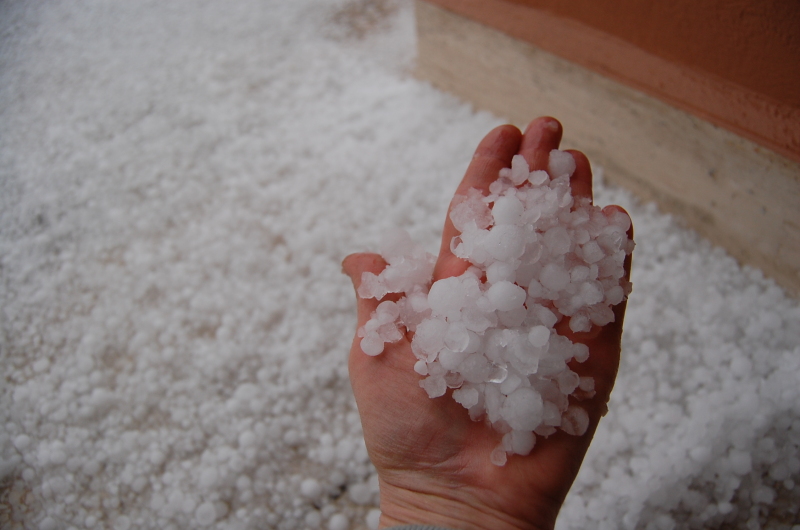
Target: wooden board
739, 195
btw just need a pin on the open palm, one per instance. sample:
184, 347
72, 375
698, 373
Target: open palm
432, 460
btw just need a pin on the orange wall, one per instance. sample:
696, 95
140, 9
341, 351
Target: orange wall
735, 63
754, 43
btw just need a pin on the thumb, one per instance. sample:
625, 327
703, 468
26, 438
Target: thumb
354, 266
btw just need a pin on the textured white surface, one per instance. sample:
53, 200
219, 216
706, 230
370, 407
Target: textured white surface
179, 182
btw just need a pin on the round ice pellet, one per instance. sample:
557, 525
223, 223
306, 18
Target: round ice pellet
507, 211
575, 421
457, 337
560, 163
505, 242
522, 442
522, 410
387, 311
446, 297
538, 336
506, 296
205, 514
372, 344
429, 337
519, 170
373, 519
421, 367
554, 277
557, 240
337, 521
499, 271
310, 488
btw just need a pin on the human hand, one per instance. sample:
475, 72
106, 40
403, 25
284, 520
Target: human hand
432, 460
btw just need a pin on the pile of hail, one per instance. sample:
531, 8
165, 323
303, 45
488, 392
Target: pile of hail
537, 256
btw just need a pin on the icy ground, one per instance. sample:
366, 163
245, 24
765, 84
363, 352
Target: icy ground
179, 182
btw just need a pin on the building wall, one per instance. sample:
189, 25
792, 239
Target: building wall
684, 138
735, 63
755, 44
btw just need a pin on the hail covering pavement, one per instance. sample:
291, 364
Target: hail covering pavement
179, 182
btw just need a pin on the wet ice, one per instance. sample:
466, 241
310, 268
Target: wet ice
537, 256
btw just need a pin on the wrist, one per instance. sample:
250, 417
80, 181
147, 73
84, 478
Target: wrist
454, 509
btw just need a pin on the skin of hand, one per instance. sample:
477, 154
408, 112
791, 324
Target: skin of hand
432, 460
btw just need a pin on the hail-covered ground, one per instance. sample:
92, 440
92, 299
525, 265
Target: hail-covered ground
179, 182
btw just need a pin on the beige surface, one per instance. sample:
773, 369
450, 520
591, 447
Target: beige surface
734, 192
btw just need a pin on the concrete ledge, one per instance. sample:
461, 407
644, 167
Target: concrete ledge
736, 193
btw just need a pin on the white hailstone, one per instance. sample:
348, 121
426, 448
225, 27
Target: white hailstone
373, 519
498, 456
396, 244
360, 493
539, 336
457, 337
387, 311
470, 209
313, 519
519, 170
580, 323
310, 489
338, 521
372, 344
247, 439
435, 386
500, 271
446, 298
48, 523
568, 381
614, 295
371, 286
522, 442
421, 367
554, 277
475, 368
22, 442
560, 164
557, 240
507, 211
208, 477
429, 337
551, 415
511, 383
467, 397
591, 252
538, 177
205, 514
506, 296
451, 360
522, 410
575, 421
544, 315
505, 242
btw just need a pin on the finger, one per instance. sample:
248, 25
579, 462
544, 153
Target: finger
541, 136
581, 181
493, 153
354, 266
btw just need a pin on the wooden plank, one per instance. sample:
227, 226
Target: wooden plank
734, 192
